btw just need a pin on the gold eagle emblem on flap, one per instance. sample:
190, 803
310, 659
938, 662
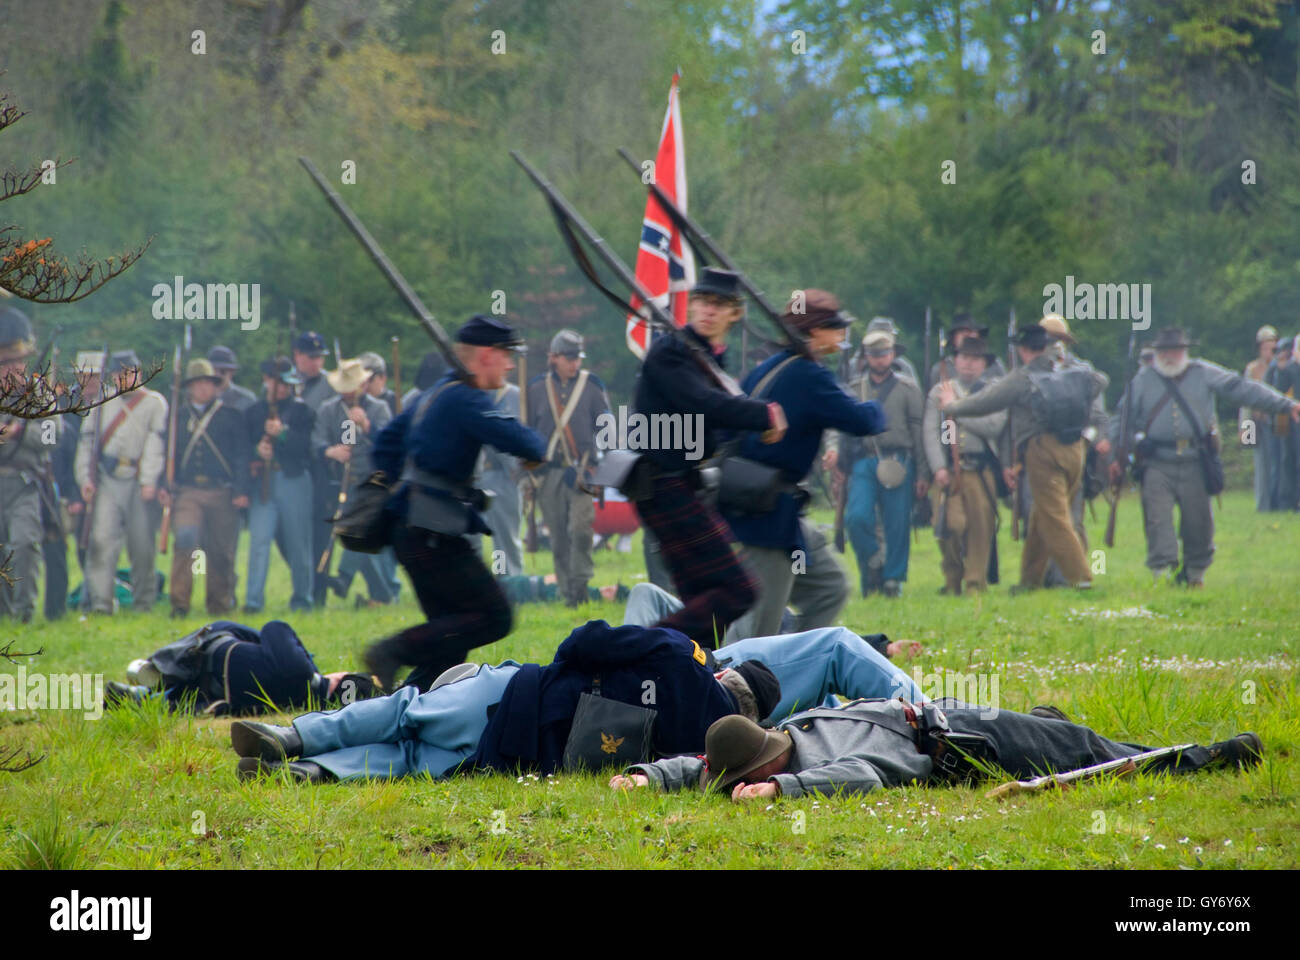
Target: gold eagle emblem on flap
610, 744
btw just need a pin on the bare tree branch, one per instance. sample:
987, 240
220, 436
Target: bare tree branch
8, 652
9, 762
39, 394
31, 272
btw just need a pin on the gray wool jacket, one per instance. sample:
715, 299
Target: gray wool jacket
1198, 384
856, 748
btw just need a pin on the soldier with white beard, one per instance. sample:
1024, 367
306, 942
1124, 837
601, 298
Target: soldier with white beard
1170, 428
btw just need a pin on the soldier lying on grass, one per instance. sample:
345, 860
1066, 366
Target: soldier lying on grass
436, 732
870, 744
227, 668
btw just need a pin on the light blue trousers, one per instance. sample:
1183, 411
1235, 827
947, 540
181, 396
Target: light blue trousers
286, 519
408, 733
812, 666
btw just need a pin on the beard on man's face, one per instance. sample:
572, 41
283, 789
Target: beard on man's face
1172, 366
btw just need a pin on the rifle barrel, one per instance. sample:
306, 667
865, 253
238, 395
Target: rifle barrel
699, 237
393, 275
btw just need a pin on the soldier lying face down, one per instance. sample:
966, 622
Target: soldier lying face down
228, 668
612, 694
869, 744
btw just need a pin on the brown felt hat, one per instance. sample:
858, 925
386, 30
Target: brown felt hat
735, 746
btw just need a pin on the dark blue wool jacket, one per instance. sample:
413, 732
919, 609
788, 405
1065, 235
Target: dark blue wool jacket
531, 724
813, 401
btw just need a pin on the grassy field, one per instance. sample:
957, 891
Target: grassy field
143, 789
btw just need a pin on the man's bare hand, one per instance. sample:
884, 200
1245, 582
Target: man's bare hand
1116, 473
941, 478
775, 432
922, 487
947, 394
1102, 447
147, 493
273, 427
831, 458
627, 782
239, 502
264, 449
753, 791
1009, 477
164, 497
87, 492
340, 452
911, 648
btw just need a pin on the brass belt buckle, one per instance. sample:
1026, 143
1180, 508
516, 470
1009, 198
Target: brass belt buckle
1180, 446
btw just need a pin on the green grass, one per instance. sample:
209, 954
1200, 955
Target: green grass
142, 788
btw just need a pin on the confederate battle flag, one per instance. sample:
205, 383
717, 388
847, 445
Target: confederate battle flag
664, 263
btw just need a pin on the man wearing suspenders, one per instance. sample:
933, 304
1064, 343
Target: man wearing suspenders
123, 485
564, 405
212, 482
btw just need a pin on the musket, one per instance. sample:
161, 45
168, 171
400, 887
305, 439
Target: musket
1011, 430
338, 356
707, 249
172, 414
954, 448
293, 329
839, 484
654, 314
394, 277
272, 413
1121, 767
324, 562
1122, 454
925, 372
97, 452
397, 376
530, 487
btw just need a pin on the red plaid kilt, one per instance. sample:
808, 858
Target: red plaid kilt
695, 542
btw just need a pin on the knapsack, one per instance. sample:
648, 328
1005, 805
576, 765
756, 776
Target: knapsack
1062, 400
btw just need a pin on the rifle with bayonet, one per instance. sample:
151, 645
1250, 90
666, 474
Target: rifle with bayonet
83, 541
530, 485
706, 249
1122, 454
172, 413
925, 371
566, 215
397, 376
390, 272
1011, 432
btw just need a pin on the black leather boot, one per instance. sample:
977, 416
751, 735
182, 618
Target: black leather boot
264, 740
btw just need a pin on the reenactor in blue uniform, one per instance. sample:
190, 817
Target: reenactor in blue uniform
433, 448
232, 394
279, 427
790, 556
309, 361
714, 585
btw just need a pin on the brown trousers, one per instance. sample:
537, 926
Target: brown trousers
1055, 472
204, 519
971, 525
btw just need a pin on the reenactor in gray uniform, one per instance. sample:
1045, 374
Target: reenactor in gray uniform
232, 395
122, 488
345, 429
563, 405
1060, 342
499, 475
1169, 447
210, 487
966, 510
885, 470
962, 327
1053, 460
23, 460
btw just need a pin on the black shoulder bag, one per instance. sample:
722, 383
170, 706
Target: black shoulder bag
1206, 447
365, 524
747, 486
607, 732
